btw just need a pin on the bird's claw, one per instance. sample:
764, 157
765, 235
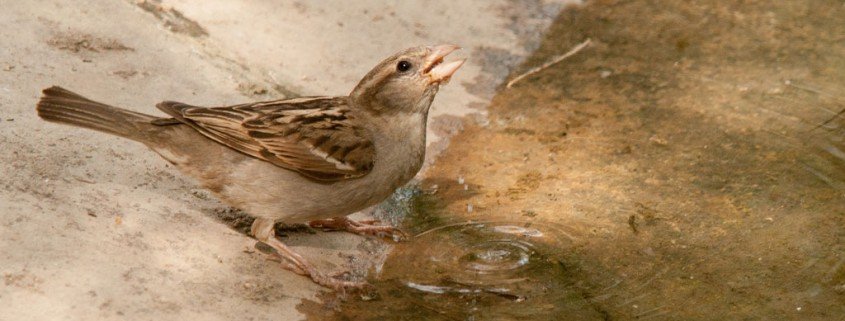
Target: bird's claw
332, 281
366, 227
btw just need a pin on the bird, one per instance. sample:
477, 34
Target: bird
308, 160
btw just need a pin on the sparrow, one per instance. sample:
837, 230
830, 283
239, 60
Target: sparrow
308, 159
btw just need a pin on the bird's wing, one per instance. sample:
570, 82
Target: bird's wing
314, 136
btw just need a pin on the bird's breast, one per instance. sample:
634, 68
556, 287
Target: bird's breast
400, 149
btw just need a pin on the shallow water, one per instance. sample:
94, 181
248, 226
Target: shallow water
473, 270
687, 166
482, 270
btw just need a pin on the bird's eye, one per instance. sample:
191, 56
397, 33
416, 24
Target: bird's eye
403, 66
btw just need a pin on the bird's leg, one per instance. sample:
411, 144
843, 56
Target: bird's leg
263, 230
342, 223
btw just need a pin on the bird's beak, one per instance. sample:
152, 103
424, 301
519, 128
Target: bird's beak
435, 69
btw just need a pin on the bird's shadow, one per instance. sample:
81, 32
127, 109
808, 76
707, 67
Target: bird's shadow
241, 221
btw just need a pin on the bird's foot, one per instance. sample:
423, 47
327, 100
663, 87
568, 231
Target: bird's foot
292, 261
296, 264
367, 227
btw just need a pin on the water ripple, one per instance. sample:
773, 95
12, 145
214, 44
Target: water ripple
480, 257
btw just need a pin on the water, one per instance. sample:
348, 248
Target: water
477, 262
486, 270
687, 166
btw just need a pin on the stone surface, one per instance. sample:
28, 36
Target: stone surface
96, 227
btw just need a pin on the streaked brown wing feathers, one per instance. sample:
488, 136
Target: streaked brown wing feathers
313, 136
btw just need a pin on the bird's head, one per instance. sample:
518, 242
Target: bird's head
407, 81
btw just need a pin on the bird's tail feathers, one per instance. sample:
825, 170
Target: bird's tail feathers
63, 106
